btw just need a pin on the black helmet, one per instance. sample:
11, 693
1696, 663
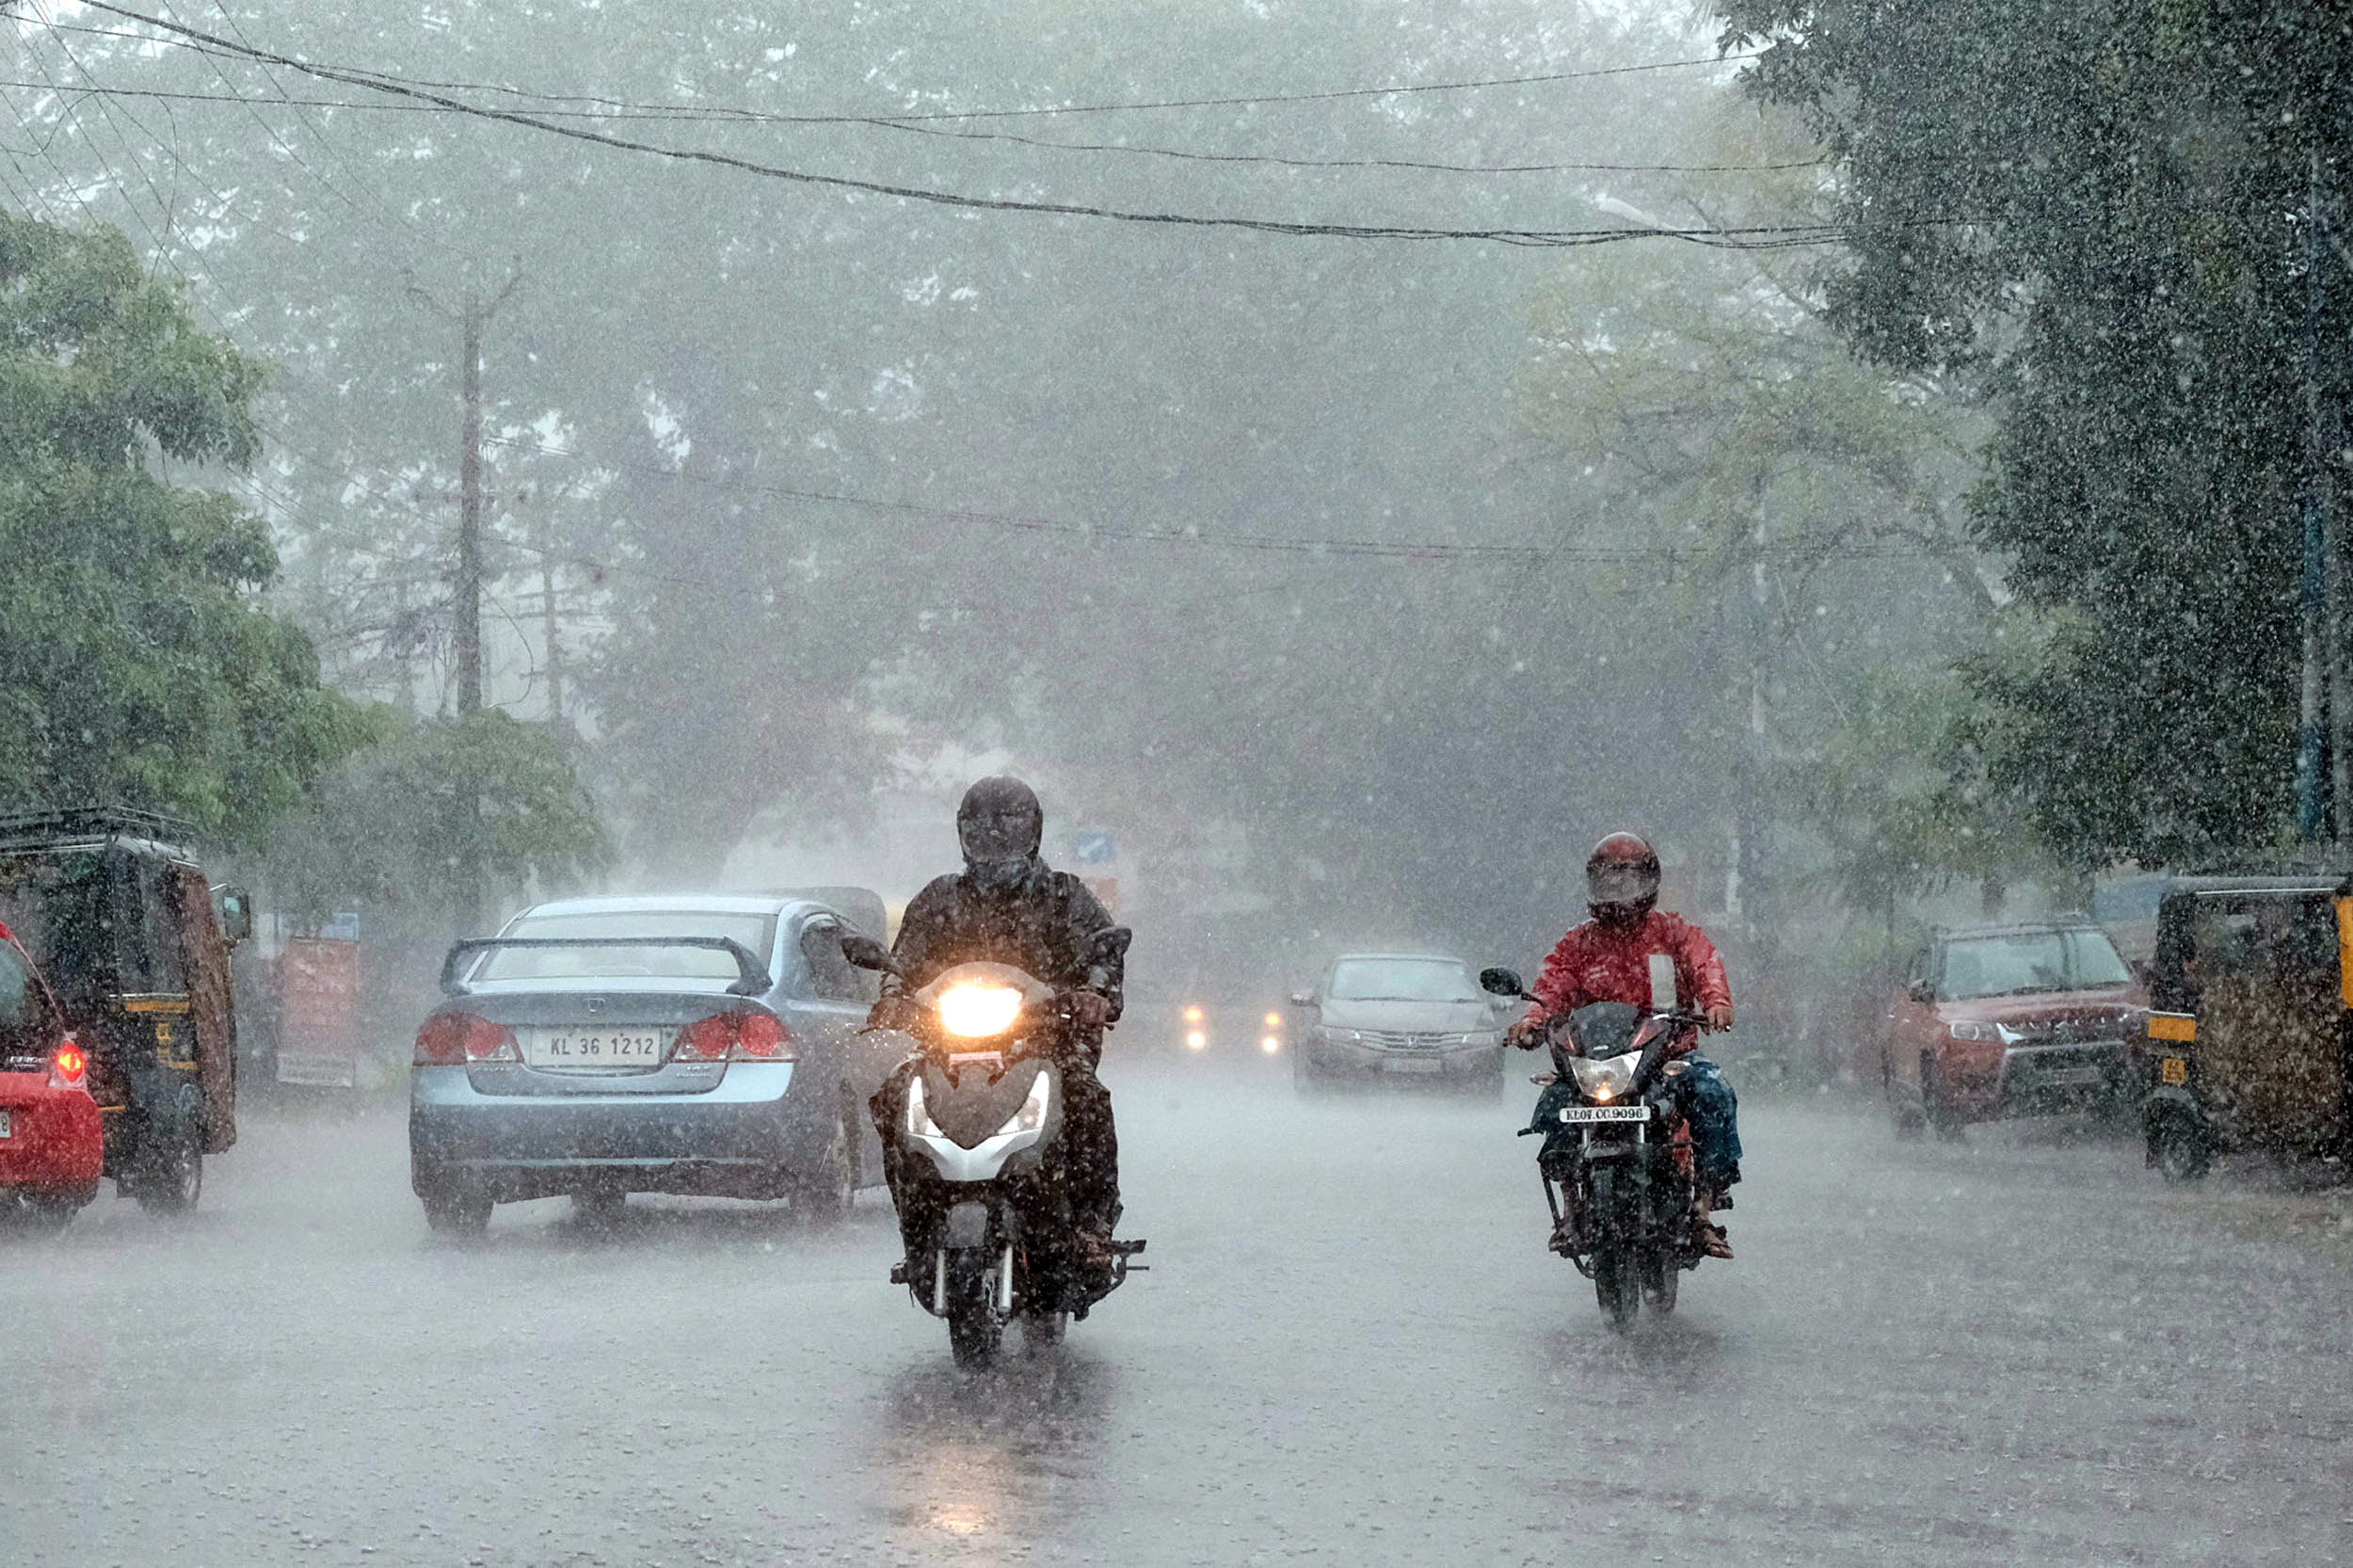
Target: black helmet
1000, 826
1622, 879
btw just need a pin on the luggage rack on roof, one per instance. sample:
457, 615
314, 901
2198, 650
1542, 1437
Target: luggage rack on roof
92, 824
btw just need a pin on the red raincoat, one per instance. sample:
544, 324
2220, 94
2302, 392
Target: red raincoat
1599, 963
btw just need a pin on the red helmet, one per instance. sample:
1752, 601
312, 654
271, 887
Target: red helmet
1622, 878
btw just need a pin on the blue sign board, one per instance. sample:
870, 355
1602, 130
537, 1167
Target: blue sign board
1093, 848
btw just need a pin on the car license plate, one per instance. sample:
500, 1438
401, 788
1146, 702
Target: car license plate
1606, 1114
594, 1048
1415, 1064
2069, 1078
8, 1128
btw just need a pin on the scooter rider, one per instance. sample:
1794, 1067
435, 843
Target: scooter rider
1007, 907
1607, 959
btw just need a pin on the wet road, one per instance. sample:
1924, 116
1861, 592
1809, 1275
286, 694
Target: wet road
1351, 1349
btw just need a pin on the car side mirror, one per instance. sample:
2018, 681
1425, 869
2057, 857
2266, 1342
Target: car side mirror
864, 953
1921, 991
2140, 969
1303, 999
234, 907
1502, 982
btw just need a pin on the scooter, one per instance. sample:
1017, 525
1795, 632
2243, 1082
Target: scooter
1616, 1157
971, 1125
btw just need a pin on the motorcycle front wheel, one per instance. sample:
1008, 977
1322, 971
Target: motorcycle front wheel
1617, 1280
974, 1330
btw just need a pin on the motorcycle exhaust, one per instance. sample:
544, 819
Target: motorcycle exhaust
1005, 1283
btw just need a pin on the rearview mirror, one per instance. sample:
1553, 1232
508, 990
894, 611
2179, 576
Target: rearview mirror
1921, 991
864, 953
234, 907
1502, 982
1303, 999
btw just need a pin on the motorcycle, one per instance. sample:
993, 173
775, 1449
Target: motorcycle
1617, 1156
972, 1126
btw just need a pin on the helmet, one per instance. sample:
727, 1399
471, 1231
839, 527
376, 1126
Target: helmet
1000, 826
1622, 879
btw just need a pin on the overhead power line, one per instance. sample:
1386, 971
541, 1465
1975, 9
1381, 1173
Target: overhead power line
1757, 237
200, 42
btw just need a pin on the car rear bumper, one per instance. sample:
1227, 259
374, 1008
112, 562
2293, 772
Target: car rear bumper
54, 1144
747, 1137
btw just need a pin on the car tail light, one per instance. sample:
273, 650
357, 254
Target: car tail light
68, 1068
734, 1037
453, 1039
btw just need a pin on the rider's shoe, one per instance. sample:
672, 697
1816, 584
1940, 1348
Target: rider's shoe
898, 1272
1093, 1249
1707, 1234
1563, 1235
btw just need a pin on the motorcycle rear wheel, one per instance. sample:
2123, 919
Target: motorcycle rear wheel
975, 1333
1662, 1278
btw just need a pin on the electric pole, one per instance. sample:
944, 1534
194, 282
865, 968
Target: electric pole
473, 312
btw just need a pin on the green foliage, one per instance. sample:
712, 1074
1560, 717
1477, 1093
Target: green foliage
387, 831
2096, 212
137, 665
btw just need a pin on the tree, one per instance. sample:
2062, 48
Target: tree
2100, 216
138, 665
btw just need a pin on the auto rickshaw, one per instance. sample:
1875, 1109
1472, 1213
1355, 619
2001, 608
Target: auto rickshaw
2250, 1041
135, 941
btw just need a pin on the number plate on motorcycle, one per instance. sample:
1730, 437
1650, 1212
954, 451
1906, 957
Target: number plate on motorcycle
1606, 1114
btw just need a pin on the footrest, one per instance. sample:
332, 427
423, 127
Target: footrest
1128, 1249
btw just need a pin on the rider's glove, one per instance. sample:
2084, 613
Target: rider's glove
1089, 1009
893, 1013
1523, 1034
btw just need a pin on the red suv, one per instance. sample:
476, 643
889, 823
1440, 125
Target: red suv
52, 1147
2011, 1020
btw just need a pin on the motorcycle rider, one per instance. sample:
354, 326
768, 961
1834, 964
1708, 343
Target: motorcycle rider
1007, 907
1607, 959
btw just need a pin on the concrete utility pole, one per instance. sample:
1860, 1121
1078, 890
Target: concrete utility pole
471, 315
2319, 651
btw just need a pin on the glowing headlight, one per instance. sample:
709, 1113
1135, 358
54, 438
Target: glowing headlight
1973, 1029
919, 1123
975, 1012
1033, 1112
1608, 1079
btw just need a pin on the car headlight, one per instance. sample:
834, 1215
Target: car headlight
1341, 1036
1606, 1078
919, 1123
1033, 1112
976, 1011
1972, 1028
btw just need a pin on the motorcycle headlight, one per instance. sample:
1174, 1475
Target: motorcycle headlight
1033, 1112
1608, 1079
975, 1011
919, 1123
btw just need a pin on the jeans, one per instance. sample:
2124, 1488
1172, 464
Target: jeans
1703, 1097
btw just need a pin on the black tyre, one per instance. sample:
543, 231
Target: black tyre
168, 1175
1902, 1110
826, 1191
2179, 1150
599, 1209
1042, 1331
1941, 1117
35, 1214
1617, 1276
455, 1211
975, 1333
1662, 1277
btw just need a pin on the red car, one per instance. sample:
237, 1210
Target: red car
2011, 1020
52, 1147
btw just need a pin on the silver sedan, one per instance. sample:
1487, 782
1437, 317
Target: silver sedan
600, 1047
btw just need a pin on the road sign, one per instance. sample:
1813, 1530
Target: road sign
1094, 847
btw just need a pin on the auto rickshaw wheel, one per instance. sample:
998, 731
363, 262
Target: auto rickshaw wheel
168, 1177
2177, 1148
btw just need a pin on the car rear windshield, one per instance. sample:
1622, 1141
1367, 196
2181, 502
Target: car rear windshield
1403, 979
2019, 963
756, 933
